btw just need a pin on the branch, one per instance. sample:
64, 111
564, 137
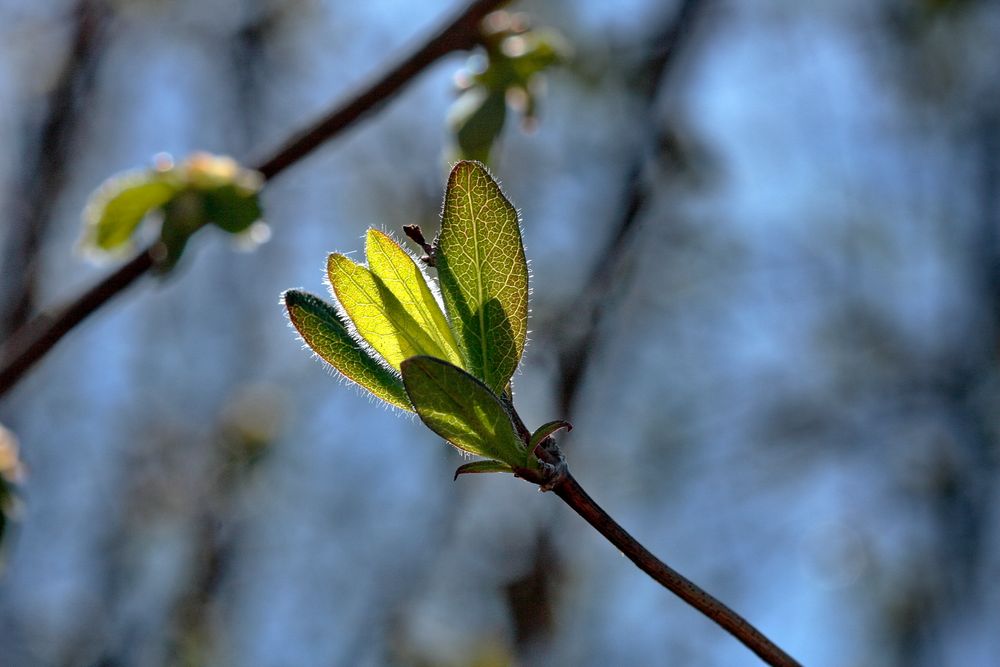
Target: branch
590, 305
45, 162
553, 475
570, 491
34, 340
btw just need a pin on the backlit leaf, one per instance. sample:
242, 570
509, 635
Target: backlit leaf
461, 409
477, 119
232, 208
119, 205
545, 430
403, 278
479, 467
321, 327
378, 316
483, 274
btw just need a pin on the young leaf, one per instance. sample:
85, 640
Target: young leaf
461, 409
321, 328
545, 430
377, 315
232, 208
477, 467
477, 119
483, 274
403, 278
119, 205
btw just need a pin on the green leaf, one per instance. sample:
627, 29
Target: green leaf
377, 315
477, 467
232, 208
542, 49
483, 274
397, 271
545, 430
461, 409
115, 210
182, 216
477, 119
323, 330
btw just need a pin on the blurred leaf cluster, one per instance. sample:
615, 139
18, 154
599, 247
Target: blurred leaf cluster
506, 74
203, 189
11, 474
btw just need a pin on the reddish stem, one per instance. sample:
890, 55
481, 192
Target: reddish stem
573, 495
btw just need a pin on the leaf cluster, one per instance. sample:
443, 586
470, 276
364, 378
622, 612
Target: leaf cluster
445, 349
506, 74
203, 189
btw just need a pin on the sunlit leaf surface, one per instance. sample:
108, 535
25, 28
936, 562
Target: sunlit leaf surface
322, 329
399, 274
479, 467
377, 314
117, 208
461, 409
483, 274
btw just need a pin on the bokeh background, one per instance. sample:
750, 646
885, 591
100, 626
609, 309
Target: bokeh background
766, 282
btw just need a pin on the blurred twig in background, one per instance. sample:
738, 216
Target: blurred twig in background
44, 163
652, 78
576, 350
33, 341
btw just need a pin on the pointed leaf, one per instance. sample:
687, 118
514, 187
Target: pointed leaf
321, 327
545, 430
477, 467
232, 208
461, 409
119, 205
477, 119
377, 315
403, 278
483, 274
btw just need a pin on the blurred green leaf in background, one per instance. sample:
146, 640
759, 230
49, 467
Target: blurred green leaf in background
507, 73
203, 189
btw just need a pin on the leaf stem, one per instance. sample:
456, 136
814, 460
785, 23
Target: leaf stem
570, 491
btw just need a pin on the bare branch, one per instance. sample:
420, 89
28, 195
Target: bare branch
589, 306
570, 491
553, 475
44, 164
34, 340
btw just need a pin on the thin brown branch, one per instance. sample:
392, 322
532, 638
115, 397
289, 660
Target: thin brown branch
44, 164
34, 340
570, 491
460, 34
553, 475
37, 337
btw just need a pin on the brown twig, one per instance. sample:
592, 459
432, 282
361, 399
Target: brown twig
44, 164
29, 344
570, 491
417, 236
40, 334
553, 475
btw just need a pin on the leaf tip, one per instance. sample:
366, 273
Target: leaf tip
481, 467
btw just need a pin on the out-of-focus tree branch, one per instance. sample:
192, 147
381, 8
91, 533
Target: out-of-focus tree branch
33, 341
45, 161
653, 76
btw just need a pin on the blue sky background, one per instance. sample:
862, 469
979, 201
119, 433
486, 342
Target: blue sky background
792, 395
